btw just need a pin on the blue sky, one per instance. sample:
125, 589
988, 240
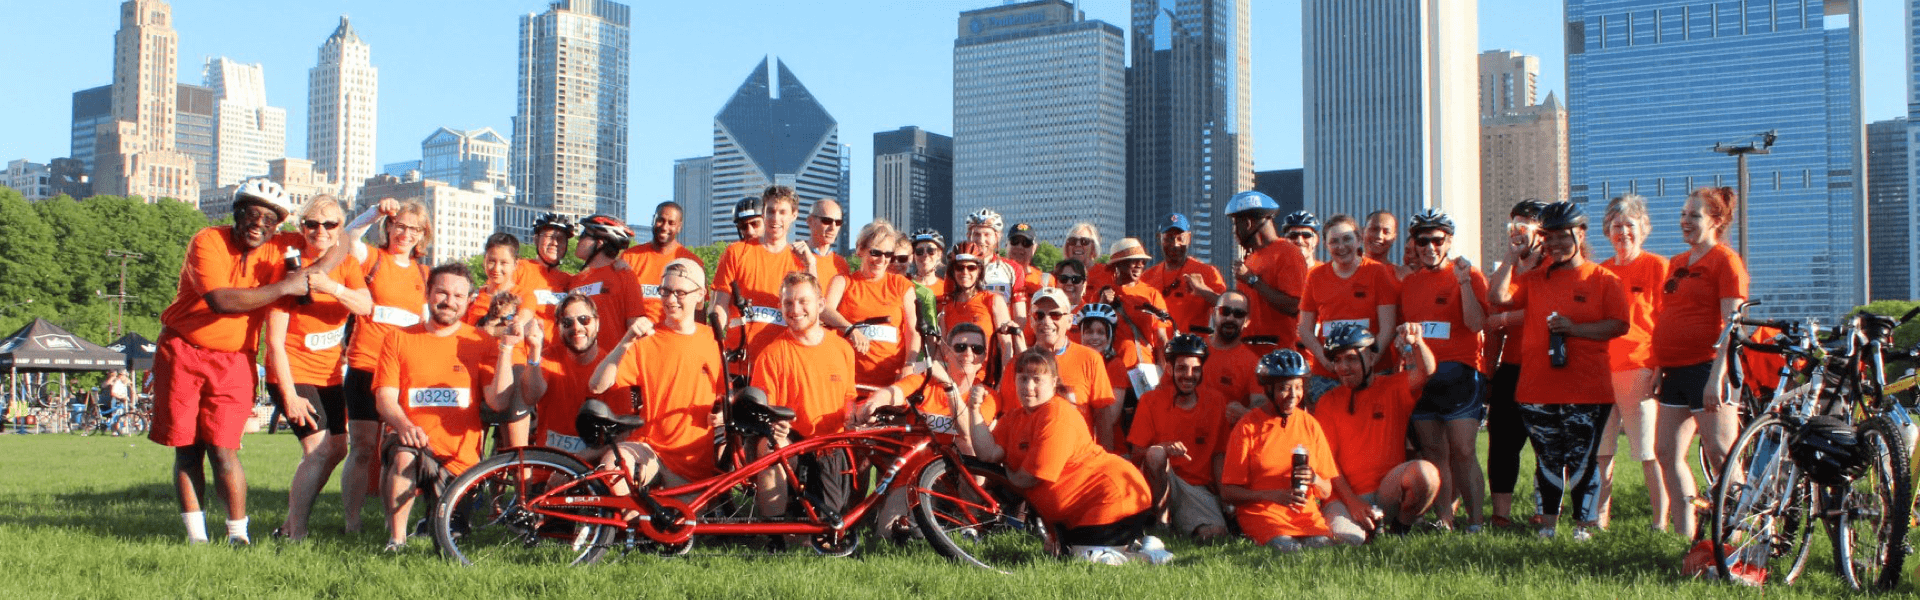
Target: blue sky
874, 65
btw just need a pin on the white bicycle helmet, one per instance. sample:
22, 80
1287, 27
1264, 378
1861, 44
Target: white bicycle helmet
263, 192
985, 217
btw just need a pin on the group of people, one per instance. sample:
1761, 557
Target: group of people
1293, 401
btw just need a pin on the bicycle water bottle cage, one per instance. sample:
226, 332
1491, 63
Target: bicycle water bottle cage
599, 427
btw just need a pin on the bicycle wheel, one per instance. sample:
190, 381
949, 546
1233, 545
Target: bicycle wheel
1870, 525
1760, 520
993, 532
482, 518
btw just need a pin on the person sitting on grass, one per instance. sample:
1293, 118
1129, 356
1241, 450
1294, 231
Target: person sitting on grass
1176, 441
1277, 501
1099, 498
1366, 419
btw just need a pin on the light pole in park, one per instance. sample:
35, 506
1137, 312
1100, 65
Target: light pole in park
1739, 153
119, 300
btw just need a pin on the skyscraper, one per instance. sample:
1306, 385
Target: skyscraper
1040, 118
1523, 146
913, 179
135, 153
763, 138
1391, 119
1889, 204
343, 94
570, 135
1913, 135
1653, 84
92, 107
196, 121
248, 132
458, 157
693, 190
1189, 118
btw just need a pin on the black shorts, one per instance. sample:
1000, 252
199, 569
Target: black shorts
331, 416
358, 391
1685, 387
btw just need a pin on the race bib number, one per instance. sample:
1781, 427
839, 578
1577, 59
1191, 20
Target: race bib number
566, 442
650, 291
397, 317
1436, 330
326, 339
440, 397
548, 297
939, 423
591, 289
998, 278
762, 314
1326, 326
886, 334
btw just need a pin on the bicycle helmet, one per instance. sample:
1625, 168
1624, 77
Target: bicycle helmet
607, 229
748, 208
1827, 450
1187, 344
1430, 219
1348, 336
985, 217
1284, 363
1529, 208
1254, 202
263, 192
556, 221
927, 234
1096, 310
1301, 218
1562, 215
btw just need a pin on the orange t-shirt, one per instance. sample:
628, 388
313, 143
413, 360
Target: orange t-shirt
399, 301
977, 310
748, 270
1584, 295
1126, 356
546, 297
828, 264
1687, 328
440, 379
527, 285
1642, 279
1099, 275
1229, 374
1083, 372
1432, 298
315, 331
616, 294
1367, 429
1132, 296
649, 264
1189, 308
1203, 428
567, 389
678, 377
1259, 457
937, 406
1081, 484
884, 297
1281, 267
1035, 281
1354, 299
215, 262
815, 381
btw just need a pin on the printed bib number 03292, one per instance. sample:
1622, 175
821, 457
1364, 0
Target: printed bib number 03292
326, 339
440, 397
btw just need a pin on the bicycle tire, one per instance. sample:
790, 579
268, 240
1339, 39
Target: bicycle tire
1870, 528
1760, 523
479, 518
993, 533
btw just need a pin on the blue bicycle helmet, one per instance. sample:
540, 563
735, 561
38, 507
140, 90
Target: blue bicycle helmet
1283, 363
1348, 336
1301, 218
1252, 202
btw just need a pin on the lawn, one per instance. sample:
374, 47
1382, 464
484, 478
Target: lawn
93, 517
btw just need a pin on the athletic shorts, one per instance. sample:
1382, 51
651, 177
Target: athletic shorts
1685, 387
357, 390
1192, 507
1455, 392
200, 396
331, 416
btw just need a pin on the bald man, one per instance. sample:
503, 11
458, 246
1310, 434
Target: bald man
823, 227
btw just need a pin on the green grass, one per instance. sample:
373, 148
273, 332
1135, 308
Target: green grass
93, 517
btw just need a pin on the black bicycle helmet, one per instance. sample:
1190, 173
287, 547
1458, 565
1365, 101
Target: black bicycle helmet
927, 234
1348, 336
1827, 450
1529, 208
1187, 344
1430, 219
1283, 363
609, 230
748, 208
556, 221
1300, 218
1562, 215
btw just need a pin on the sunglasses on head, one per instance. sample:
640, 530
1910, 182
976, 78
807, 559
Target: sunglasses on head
1232, 313
1433, 240
576, 321
880, 254
1673, 283
963, 348
1022, 242
312, 224
831, 222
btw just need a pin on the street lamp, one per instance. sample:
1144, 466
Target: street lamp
1739, 153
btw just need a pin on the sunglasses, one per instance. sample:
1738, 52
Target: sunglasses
1071, 279
1022, 242
901, 258
831, 222
1232, 313
1079, 241
926, 251
1673, 283
1434, 241
255, 213
967, 267
878, 254
312, 224
963, 348
1051, 314
576, 321
1300, 235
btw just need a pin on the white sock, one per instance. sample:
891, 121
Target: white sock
196, 525
237, 528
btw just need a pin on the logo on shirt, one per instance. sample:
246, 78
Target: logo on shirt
834, 378
1639, 290
1440, 300
1579, 297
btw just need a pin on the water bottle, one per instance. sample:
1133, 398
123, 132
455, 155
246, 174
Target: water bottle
1556, 346
293, 266
1300, 484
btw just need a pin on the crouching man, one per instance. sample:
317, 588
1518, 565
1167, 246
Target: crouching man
1365, 419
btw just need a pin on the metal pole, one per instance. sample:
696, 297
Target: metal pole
1741, 159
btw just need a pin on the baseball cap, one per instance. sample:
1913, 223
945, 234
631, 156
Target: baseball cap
1177, 221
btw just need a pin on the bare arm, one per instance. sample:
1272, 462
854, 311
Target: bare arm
298, 411
1422, 357
972, 428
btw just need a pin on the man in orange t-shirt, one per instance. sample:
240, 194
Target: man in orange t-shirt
1083, 372
1189, 286
1272, 274
676, 368
1177, 442
614, 291
648, 259
424, 386
1366, 424
1228, 372
203, 371
809, 370
555, 380
751, 271
824, 223
1258, 473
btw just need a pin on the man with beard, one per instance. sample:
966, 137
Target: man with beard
1189, 286
203, 372
676, 368
1083, 372
1382, 230
754, 270
1272, 274
555, 378
425, 384
1176, 439
804, 368
1365, 419
1228, 372
648, 259
823, 228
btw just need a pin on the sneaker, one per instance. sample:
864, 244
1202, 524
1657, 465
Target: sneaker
395, 546
1284, 544
1152, 550
1101, 555
1546, 533
422, 528
239, 541
1582, 534
1473, 528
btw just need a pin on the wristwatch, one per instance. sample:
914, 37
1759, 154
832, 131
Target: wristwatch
1253, 279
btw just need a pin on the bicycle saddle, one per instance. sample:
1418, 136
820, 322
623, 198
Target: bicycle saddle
752, 414
598, 426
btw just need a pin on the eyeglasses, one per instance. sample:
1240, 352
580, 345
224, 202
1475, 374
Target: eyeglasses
1022, 242
831, 222
404, 228
926, 251
576, 321
1051, 314
680, 295
1300, 235
312, 224
1079, 241
963, 348
880, 255
1673, 283
1071, 279
1434, 241
1232, 313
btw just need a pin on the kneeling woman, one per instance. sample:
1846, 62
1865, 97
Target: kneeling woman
1044, 443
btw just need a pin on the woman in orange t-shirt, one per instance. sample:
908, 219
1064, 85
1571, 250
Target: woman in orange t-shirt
1639, 272
395, 272
874, 310
966, 301
303, 357
1447, 297
1102, 500
1703, 284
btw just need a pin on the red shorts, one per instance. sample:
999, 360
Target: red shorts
200, 396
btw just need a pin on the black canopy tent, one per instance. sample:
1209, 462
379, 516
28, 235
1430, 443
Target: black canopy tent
43, 347
138, 348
